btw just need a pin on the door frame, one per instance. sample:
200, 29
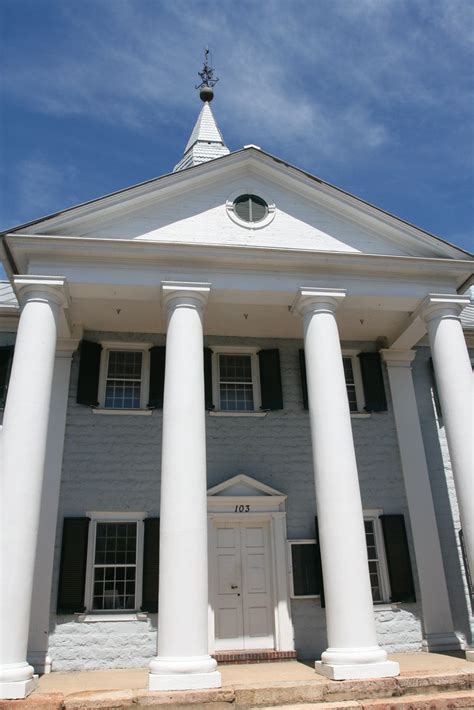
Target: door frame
265, 505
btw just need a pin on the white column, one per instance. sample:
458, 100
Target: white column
24, 434
437, 619
454, 381
183, 660
353, 651
40, 609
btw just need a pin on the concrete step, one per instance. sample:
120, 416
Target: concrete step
431, 701
448, 689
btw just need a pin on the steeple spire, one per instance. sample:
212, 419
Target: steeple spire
206, 141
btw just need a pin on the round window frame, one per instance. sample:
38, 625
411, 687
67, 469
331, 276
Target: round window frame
241, 222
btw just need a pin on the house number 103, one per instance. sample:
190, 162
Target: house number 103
242, 509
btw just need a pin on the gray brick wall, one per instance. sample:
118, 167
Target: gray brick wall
112, 463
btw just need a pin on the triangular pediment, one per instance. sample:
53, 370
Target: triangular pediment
243, 486
192, 207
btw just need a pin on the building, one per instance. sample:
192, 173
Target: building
201, 365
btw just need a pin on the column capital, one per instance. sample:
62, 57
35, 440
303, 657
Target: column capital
317, 299
439, 305
42, 288
398, 358
185, 293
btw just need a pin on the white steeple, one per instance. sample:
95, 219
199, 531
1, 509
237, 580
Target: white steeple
206, 141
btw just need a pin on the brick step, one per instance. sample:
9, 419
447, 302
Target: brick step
256, 656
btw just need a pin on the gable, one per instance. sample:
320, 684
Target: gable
243, 485
190, 207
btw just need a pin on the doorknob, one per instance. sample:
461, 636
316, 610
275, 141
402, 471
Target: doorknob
234, 586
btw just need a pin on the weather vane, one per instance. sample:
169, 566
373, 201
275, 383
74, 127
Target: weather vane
208, 79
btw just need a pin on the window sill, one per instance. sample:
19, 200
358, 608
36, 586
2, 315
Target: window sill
387, 606
89, 618
123, 412
213, 413
360, 415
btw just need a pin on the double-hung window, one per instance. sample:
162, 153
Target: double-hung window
124, 379
114, 563
124, 376
352, 374
236, 382
305, 581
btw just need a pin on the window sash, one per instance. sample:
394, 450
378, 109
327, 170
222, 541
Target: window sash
118, 591
117, 602
229, 388
116, 395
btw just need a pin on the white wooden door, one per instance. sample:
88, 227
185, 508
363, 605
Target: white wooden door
242, 585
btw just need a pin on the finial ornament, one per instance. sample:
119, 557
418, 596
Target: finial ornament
208, 79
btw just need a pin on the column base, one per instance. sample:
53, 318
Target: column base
354, 671
17, 689
171, 673
41, 662
442, 642
470, 654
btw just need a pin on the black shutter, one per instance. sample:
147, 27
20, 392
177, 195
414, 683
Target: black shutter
437, 403
319, 566
304, 385
372, 379
398, 558
6, 359
208, 378
151, 562
89, 368
157, 377
72, 571
270, 379
465, 560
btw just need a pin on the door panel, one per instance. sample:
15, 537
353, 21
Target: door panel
256, 588
228, 607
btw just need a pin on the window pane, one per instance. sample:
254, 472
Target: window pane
114, 584
304, 564
242, 207
236, 398
125, 364
350, 383
235, 368
121, 394
236, 389
373, 560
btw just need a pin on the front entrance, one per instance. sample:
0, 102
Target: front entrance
243, 587
249, 595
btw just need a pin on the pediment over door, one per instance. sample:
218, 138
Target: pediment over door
243, 494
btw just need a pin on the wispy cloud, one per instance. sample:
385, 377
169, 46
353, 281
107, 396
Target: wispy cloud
318, 76
38, 187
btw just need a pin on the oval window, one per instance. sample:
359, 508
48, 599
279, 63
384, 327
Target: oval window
250, 208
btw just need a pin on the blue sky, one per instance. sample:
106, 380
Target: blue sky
375, 96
